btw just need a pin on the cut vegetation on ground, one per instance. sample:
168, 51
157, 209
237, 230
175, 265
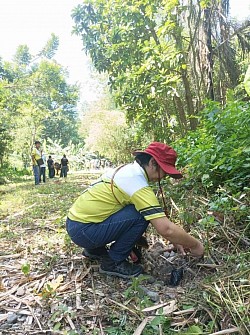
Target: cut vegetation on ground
48, 287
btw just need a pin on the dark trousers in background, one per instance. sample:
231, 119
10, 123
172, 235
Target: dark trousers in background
42, 174
51, 172
36, 171
64, 171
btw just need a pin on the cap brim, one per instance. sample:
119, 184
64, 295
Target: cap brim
134, 153
169, 169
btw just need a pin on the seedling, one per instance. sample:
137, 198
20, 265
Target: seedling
26, 269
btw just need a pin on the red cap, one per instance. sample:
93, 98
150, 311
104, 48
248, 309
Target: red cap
165, 156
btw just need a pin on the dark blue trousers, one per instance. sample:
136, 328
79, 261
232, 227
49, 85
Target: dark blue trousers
36, 171
123, 228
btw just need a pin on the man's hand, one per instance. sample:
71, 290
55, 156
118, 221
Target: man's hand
180, 249
197, 250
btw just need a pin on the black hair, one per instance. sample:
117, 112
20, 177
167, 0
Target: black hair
143, 158
49, 156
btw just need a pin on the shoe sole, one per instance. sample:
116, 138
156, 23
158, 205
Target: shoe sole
92, 257
117, 274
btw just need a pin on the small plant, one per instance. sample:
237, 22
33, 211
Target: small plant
207, 224
50, 288
136, 293
61, 312
134, 289
192, 330
68, 246
25, 269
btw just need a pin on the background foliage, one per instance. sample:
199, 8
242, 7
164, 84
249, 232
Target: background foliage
36, 102
176, 73
217, 153
163, 58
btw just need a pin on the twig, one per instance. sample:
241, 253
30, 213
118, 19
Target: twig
21, 212
153, 308
142, 325
185, 311
10, 256
181, 323
227, 331
9, 292
124, 307
100, 326
70, 322
160, 329
174, 204
228, 238
211, 266
241, 237
229, 196
203, 200
31, 310
190, 270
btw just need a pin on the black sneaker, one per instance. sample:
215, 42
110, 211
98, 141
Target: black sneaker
95, 254
122, 269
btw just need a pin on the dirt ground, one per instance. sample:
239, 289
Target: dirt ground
48, 287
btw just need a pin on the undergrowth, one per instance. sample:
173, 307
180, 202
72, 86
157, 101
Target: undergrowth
221, 219
33, 224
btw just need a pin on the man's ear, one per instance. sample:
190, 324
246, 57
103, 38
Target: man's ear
153, 162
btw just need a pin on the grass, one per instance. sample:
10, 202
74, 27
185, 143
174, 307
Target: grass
64, 294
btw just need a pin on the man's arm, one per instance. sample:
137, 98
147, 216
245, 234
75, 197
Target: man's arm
177, 235
33, 158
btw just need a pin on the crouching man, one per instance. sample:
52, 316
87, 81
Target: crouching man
118, 208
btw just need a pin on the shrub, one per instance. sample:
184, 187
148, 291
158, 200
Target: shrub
217, 153
12, 174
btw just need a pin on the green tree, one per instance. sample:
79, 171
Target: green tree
56, 101
9, 101
163, 58
36, 102
106, 132
22, 55
50, 48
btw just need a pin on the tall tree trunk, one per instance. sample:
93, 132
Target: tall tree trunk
181, 115
208, 43
194, 22
189, 100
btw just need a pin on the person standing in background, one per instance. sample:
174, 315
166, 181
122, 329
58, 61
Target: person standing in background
64, 166
51, 167
36, 156
43, 169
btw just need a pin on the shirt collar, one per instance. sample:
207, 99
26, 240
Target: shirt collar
142, 170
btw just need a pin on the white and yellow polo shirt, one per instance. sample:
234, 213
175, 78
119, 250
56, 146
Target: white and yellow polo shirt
36, 154
130, 186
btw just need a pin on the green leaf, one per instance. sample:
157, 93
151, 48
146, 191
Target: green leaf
192, 330
205, 177
57, 326
25, 268
247, 81
158, 320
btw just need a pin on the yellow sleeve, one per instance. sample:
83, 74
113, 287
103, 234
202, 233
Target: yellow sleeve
34, 156
147, 204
